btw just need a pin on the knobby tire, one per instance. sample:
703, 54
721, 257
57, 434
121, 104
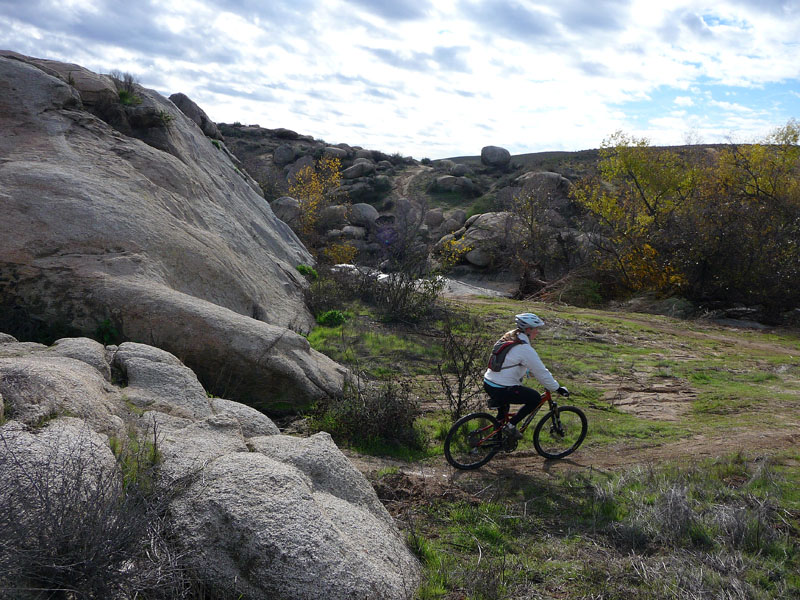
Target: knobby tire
470, 444
551, 443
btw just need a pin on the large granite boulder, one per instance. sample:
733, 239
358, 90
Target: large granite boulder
360, 168
93, 88
334, 152
494, 156
142, 222
363, 214
196, 114
484, 238
252, 514
283, 155
287, 209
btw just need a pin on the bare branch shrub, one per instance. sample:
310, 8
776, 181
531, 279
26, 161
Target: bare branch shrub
369, 412
402, 296
749, 528
407, 295
75, 524
466, 346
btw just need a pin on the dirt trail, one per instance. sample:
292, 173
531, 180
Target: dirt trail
608, 459
402, 184
666, 400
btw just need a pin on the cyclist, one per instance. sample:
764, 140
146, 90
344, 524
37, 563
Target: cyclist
504, 386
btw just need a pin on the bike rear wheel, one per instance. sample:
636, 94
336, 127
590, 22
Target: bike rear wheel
560, 432
472, 441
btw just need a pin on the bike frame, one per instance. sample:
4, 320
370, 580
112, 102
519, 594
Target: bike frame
547, 398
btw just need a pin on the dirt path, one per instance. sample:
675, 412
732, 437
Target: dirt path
402, 185
636, 393
436, 477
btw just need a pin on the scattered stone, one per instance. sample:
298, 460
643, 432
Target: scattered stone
333, 152
335, 216
459, 170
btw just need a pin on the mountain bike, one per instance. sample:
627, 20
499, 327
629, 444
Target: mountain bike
475, 438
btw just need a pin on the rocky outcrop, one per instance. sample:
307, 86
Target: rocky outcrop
275, 158
260, 515
498, 241
450, 183
127, 214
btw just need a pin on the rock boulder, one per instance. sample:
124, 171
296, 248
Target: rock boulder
256, 515
196, 114
146, 225
494, 156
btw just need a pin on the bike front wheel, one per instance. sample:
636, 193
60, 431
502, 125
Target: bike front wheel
472, 441
560, 432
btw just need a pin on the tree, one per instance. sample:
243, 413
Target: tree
541, 246
313, 188
638, 200
718, 225
747, 222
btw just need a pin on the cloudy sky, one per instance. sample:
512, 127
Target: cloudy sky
439, 78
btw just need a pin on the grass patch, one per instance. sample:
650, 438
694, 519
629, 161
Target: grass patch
662, 531
380, 350
671, 532
610, 426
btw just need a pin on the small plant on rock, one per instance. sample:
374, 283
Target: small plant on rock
75, 525
308, 272
106, 333
126, 85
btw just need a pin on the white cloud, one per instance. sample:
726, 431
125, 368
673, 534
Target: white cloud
731, 107
438, 78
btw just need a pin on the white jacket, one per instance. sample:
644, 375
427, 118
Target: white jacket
520, 359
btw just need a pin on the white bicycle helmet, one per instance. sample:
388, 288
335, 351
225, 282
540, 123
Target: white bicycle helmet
526, 320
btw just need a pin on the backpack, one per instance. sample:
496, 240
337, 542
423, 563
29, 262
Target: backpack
499, 352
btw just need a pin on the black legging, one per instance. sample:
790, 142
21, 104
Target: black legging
517, 394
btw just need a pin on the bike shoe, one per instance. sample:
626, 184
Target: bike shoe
512, 432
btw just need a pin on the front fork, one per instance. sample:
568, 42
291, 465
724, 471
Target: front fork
556, 427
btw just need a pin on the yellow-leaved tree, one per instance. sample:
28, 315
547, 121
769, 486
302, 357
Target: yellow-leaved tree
313, 188
716, 223
639, 196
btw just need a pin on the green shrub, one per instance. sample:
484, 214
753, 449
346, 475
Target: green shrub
165, 118
331, 318
583, 292
127, 98
308, 272
106, 333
